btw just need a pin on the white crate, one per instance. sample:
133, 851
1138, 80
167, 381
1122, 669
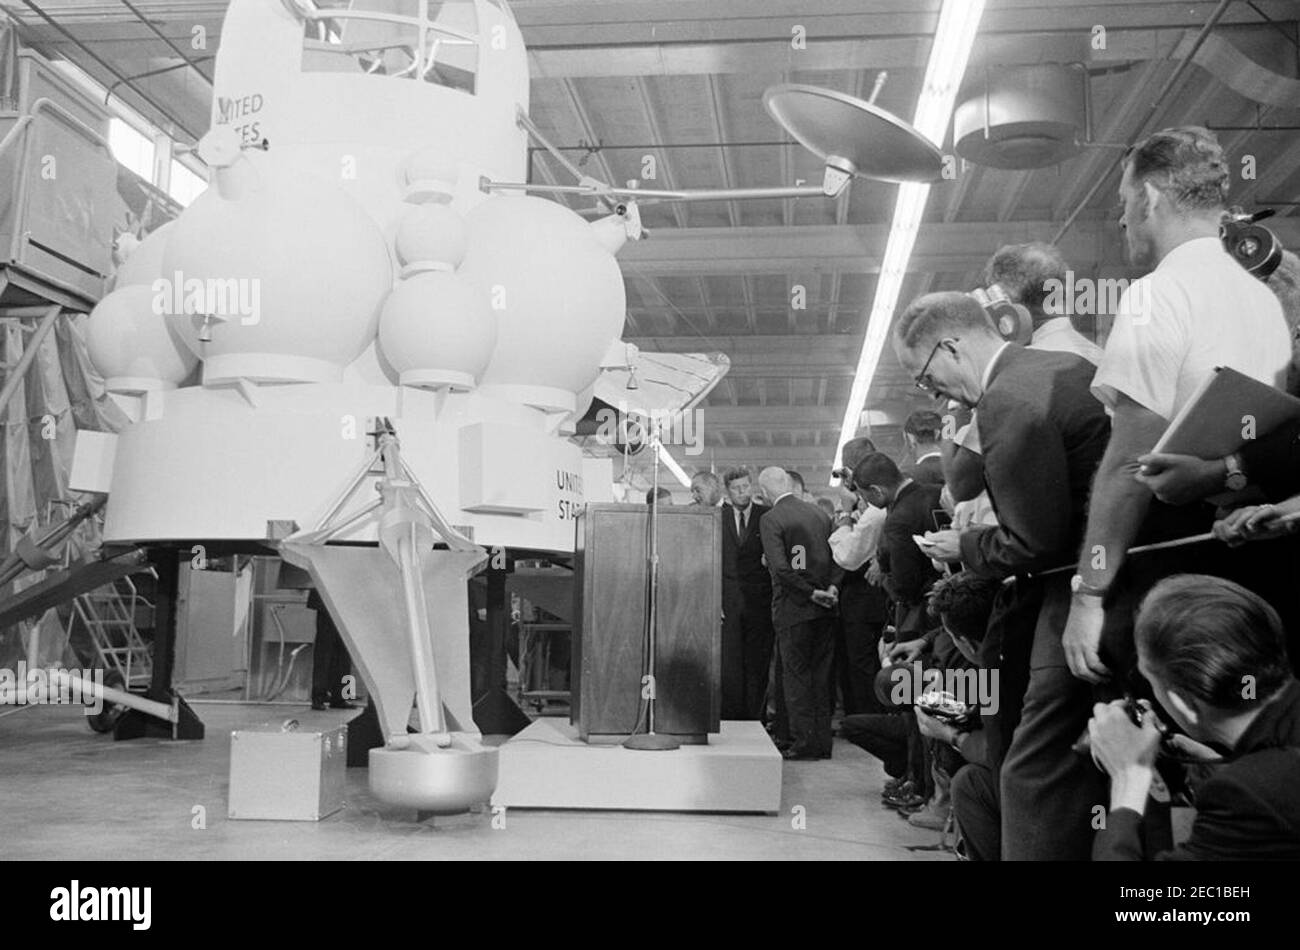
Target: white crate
287, 776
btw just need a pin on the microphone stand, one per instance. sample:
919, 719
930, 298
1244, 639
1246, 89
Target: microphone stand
650, 741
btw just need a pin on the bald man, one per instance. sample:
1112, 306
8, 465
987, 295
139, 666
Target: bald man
805, 590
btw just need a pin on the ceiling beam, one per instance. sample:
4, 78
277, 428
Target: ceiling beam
967, 176
813, 351
657, 135
958, 247
789, 418
851, 249
677, 38
1119, 119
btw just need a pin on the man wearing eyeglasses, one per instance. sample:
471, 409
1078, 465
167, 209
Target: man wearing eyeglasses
1043, 434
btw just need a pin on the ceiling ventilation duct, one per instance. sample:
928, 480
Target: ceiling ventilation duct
1021, 117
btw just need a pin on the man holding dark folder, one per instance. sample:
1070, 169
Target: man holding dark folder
1196, 310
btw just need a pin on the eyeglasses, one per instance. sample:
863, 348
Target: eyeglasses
922, 379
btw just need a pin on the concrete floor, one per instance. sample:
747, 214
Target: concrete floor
66, 792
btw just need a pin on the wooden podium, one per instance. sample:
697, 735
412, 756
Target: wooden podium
611, 603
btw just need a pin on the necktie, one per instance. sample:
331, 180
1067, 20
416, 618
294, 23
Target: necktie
742, 522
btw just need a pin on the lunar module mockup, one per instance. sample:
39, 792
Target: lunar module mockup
370, 340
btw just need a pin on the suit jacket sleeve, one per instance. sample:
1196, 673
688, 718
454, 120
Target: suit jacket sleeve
1228, 826
909, 568
837, 571
1121, 838
1027, 471
1273, 462
777, 560
1230, 823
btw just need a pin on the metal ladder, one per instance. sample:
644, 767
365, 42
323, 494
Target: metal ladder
108, 615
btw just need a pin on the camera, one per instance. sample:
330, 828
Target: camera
845, 475
1136, 709
1254, 247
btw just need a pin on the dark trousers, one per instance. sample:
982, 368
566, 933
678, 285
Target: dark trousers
747, 643
330, 660
862, 618
805, 655
1047, 790
837, 687
1007, 647
884, 735
975, 806
780, 718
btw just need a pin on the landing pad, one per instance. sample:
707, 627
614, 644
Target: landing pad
548, 766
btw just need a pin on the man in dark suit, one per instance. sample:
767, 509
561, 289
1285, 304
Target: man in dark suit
1043, 435
907, 571
747, 635
1199, 639
805, 588
921, 431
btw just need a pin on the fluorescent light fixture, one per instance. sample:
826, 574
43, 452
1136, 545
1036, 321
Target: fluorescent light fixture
958, 23
670, 463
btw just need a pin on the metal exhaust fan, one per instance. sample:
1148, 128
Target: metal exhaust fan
1022, 117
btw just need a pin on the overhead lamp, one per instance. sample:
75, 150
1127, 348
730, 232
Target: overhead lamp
958, 23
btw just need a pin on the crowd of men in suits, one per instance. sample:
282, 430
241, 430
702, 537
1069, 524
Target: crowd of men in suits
1003, 548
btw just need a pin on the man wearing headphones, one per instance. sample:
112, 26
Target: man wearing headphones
1022, 285
1043, 435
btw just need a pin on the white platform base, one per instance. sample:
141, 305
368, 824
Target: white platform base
548, 766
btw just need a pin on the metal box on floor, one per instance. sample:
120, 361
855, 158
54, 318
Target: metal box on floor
280, 775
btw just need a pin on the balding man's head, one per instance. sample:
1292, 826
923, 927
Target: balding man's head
943, 341
1028, 274
706, 488
932, 317
774, 482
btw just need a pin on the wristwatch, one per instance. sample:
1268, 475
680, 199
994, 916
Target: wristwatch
1236, 478
1077, 586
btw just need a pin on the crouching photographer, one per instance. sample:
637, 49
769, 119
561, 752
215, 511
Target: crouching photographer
947, 693
1215, 655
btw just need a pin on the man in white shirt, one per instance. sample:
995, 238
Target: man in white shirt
863, 604
1197, 309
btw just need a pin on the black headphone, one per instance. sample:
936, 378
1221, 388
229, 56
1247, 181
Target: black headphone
1011, 320
1254, 247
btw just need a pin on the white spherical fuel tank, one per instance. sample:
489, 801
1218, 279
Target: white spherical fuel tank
144, 265
294, 270
431, 232
135, 348
438, 330
557, 292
